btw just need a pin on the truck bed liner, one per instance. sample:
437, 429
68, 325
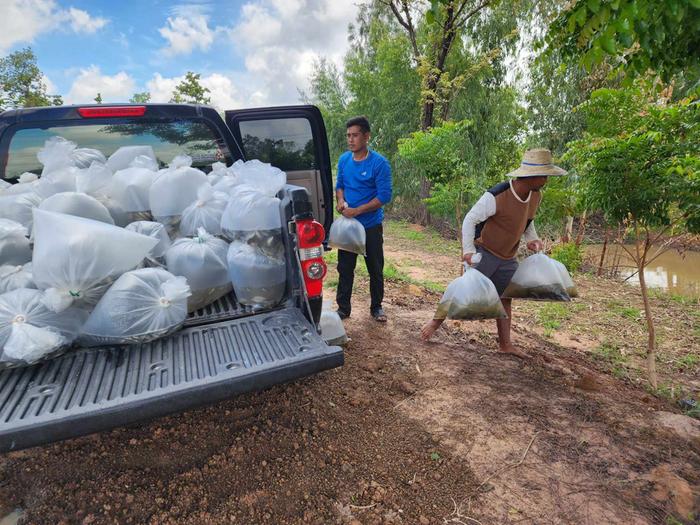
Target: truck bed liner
94, 389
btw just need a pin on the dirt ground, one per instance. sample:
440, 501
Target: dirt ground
406, 432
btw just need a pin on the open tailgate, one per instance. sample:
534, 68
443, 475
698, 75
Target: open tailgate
100, 388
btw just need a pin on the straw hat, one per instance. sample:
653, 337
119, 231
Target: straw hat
537, 163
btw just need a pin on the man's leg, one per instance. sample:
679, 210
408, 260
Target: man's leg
503, 325
375, 268
430, 327
346, 276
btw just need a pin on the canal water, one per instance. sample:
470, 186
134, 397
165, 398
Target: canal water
673, 271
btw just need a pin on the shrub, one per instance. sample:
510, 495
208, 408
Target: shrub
569, 254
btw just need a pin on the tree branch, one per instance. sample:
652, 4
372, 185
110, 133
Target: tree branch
406, 23
459, 23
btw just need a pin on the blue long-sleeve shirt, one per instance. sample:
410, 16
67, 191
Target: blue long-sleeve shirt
363, 181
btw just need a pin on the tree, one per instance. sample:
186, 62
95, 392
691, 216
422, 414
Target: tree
21, 82
190, 91
639, 35
140, 98
98, 98
640, 165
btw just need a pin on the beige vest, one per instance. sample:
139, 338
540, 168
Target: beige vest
500, 234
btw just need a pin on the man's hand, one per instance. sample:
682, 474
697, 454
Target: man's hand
467, 258
349, 212
341, 205
535, 246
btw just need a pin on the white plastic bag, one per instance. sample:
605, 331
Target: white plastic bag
84, 157
77, 204
142, 305
13, 277
19, 208
349, 235
57, 154
29, 331
14, 244
156, 256
218, 172
131, 186
124, 156
538, 278
566, 279
264, 177
205, 212
76, 259
258, 280
120, 217
27, 182
332, 329
202, 260
93, 180
175, 188
4, 185
56, 181
471, 296
249, 210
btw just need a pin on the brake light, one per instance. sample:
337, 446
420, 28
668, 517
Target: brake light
310, 235
112, 111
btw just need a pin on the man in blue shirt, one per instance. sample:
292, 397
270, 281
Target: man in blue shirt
363, 186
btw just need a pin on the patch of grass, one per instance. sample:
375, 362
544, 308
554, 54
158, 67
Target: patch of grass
688, 362
550, 316
427, 239
613, 356
331, 257
435, 456
628, 312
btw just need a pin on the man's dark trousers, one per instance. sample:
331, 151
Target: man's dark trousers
375, 267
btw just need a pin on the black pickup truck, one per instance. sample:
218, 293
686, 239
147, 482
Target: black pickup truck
225, 348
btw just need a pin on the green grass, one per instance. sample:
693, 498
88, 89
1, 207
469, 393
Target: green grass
611, 354
426, 240
552, 315
688, 362
628, 312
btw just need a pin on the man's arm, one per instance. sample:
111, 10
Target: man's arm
484, 208
372, 205
340, 200
532, 239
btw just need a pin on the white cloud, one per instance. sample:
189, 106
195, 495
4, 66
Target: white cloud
90, 81
185, 33
223, 92
82, 22
281, 39
50, 86
23, 20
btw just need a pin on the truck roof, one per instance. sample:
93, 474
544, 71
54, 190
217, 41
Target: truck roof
70, 112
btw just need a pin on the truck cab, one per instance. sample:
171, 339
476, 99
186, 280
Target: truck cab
224, 348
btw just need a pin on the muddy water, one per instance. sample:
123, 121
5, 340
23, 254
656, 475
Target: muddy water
672, 271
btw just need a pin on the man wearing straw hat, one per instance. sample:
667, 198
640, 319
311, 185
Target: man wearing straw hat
494, 227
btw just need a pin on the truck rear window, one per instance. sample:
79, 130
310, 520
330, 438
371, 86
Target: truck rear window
168, 139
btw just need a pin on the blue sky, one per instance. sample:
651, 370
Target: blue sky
249, 53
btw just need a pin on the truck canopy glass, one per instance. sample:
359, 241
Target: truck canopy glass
286, 143
168, 139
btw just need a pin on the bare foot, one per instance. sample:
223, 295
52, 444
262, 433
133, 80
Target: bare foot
510, 349
429, 328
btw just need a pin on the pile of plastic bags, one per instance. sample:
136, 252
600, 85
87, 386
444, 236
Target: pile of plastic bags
118, 250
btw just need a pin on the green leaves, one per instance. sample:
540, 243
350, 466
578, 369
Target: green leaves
663, 35
21, 82
641, 159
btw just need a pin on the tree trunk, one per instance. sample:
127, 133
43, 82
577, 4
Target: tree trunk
568, 229
651, 342
602, 254
581, 228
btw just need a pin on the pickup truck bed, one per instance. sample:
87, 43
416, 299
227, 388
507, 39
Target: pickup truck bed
100, 388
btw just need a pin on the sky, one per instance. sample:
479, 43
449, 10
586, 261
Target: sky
251, 53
